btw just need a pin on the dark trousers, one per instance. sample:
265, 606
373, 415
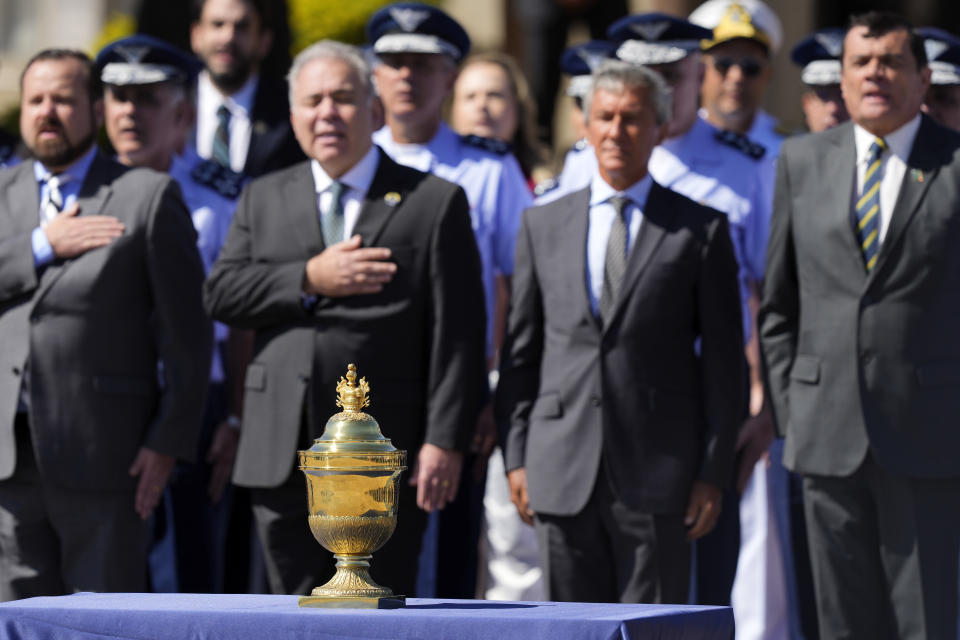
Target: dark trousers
458, 536
885, 551
609, 552
57, 540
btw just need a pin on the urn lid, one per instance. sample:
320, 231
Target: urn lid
352, 432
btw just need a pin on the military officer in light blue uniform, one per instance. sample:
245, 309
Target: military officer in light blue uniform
417, 48
579, 163
148, 112
818, 56
942, 102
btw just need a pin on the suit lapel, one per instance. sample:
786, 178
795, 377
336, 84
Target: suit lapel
379, 203
300, 202
922, 168
572, 239
839, 176
651, 232
92, 199
24, 198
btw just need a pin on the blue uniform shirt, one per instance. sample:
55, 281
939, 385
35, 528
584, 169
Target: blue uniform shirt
495, 188
211, 198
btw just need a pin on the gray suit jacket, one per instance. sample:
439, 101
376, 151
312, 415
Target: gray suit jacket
92, 329
862, 361
420, 341
635, 391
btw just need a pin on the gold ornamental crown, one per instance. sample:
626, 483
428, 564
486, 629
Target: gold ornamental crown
352, 396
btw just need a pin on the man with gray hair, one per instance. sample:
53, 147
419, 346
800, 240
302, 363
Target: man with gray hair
349, 257
620, 400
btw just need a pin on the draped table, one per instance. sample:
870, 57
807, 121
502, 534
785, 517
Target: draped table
89, 616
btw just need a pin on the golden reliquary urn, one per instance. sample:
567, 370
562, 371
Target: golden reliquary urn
353, 474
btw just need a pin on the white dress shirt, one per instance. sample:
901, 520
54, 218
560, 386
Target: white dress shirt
600, 223
240, 105
357, 182
893, 166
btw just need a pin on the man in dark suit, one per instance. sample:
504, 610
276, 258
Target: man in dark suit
242, 117
858, 328
350, 258
100, 281
622, 397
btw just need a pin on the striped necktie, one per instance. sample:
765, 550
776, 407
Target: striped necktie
52, 203
331, 222
868, 206
221, 138
615, 260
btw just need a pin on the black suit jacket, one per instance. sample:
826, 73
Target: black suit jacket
419, 342
92, 329
634, 393
272, 143
861, 360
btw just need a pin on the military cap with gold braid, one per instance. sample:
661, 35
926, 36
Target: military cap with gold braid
739, 19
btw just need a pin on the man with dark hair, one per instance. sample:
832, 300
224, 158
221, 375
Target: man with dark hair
99, 282
242, 116
858, 328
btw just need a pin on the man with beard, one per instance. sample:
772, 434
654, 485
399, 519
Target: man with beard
99, 281
242, 117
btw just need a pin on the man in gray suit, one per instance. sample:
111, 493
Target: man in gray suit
859, 331
100, 280
350, 257
621, 385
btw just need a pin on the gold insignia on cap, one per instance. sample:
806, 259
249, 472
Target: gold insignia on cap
393, 198
736, 22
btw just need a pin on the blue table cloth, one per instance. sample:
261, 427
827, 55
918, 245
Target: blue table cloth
100, 616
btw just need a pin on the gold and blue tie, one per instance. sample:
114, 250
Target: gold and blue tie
868, 206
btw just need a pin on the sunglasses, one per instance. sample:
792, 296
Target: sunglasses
749, 67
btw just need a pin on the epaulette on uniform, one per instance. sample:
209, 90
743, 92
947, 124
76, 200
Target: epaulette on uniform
741, 143
545, 186
6, 152
492, 145
224, 181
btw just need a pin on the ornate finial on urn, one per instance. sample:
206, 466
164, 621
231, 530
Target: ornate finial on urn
352, 396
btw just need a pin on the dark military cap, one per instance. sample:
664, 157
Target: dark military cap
818, 55
143, 59
582, 60
943, 55
656, 38
412, 27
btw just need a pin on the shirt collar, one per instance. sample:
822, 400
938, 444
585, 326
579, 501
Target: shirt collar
359, 177
899, 142
77, 171
600, 191
241, 100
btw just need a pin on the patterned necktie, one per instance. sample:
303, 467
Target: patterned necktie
221, 138
615, 260
331, 222
868, 206
52, 203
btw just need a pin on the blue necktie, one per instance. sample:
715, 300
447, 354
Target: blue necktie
868, 206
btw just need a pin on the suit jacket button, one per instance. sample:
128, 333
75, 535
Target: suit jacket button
595, 401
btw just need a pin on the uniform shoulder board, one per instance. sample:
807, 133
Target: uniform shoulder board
741, 143
545, 186
783, 131
224, 181
6, 152
581, 144
498, 147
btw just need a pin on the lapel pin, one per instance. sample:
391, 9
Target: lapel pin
392, 198
917, 175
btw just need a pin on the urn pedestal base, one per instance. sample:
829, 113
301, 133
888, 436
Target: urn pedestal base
352, 588
334, 602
